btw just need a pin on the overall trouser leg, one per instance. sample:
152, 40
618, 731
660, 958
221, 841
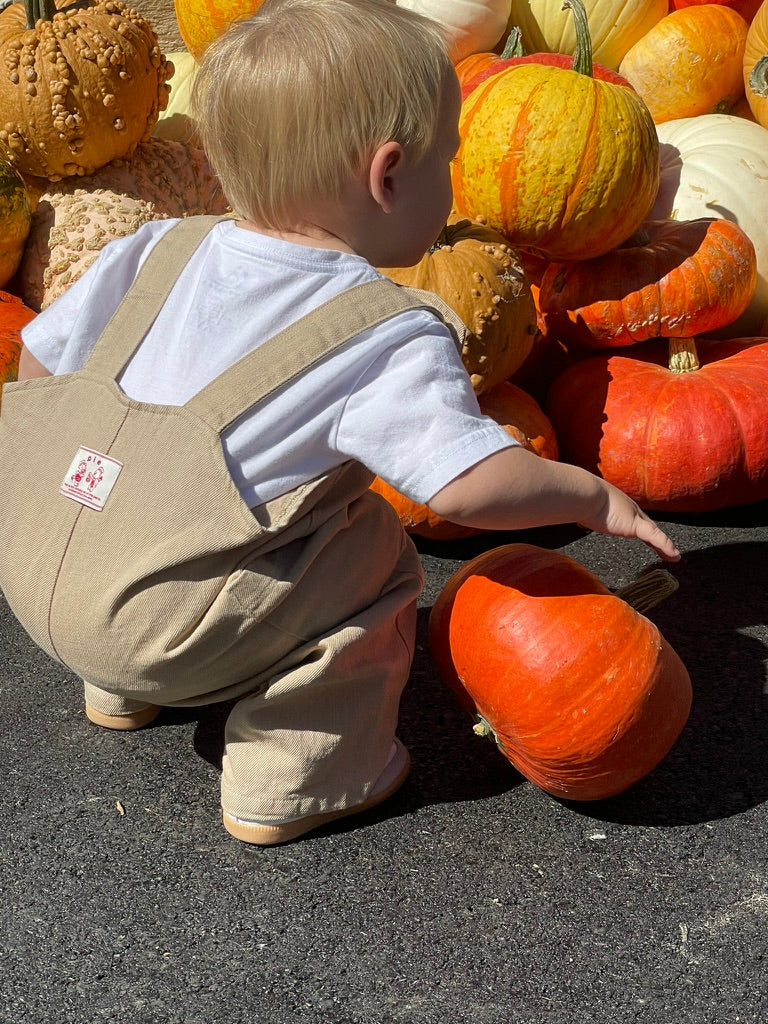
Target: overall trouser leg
317, 738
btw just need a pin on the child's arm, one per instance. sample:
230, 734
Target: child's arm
29, 367
514, 489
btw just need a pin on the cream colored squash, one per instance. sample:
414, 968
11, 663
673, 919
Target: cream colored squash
175, 122
473, 26
716, 165
614, 25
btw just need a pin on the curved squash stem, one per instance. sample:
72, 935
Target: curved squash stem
39, 9
582, 58
648, 590
683, 357
514, 45
758, 77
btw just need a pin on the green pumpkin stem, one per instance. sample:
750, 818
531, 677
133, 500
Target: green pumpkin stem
582, 58
37, 10
758, 77
683, 357
514, 45
648, 590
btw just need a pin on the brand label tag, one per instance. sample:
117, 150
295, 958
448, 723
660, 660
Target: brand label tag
90, 478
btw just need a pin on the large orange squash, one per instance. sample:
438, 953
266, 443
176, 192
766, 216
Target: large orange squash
555, 160
672, 277
581, 692
677, 428
689, 63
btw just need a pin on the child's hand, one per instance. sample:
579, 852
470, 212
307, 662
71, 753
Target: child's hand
622, 517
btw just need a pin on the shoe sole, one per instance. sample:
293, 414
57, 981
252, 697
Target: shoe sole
272, 835
123, 723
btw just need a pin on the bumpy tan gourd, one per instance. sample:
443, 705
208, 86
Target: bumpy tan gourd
75, 218
474, 270
81, 87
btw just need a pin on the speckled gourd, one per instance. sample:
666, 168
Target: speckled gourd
79, 86
75, 218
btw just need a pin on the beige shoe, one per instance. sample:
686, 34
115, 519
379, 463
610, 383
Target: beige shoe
124, 723
270, 833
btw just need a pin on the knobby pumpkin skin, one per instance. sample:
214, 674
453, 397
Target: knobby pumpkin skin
13, 316
474, 270
81, 88
556, 160
689, 63
584, 695
521, 416
676, 429
670, 278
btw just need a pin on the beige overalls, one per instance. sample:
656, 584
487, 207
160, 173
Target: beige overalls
165, 588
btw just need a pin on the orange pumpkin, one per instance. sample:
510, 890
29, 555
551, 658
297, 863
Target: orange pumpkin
755, 66
13, 316
746, 8
581, 692
671, 278
679, 429
556, 160
521, 416
689, 63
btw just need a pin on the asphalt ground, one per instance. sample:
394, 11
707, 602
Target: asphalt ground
470, 896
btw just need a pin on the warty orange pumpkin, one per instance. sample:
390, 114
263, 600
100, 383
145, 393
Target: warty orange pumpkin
580, 691
80, 86
555, 160
475, 270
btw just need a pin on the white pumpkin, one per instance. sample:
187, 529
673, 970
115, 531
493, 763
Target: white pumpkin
473, 26
614, 26
716, 165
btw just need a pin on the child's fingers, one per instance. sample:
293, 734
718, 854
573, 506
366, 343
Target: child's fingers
654, 537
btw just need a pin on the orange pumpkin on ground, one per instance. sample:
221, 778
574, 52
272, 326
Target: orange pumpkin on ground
581, 692
521, 416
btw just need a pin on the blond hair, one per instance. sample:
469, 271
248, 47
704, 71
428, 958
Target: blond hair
293, 100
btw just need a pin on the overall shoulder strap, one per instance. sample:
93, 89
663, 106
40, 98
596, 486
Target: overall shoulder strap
296, 348
145, 298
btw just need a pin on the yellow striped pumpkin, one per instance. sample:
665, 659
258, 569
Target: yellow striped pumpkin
557, 161
201, 21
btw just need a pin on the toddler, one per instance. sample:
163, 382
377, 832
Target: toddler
232, 386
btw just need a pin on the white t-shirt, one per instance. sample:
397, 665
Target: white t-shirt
396, 398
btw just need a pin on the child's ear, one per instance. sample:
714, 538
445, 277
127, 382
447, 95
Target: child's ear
382, 174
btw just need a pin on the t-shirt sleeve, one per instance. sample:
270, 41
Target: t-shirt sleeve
413, 418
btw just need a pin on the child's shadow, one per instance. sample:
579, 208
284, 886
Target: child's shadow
716, 622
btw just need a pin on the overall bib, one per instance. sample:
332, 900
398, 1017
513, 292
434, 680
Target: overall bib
130, 557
